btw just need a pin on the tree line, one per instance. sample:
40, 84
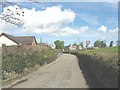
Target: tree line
98, 43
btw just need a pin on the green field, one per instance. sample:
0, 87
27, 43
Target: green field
109, 55
103, 50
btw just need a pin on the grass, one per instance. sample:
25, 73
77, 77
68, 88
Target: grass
103, 50
108, 55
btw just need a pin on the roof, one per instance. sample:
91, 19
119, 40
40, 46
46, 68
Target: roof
43, 44
22, 39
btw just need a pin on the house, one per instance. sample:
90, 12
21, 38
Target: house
67, 47
44, 45
73, 47
10, 40
52, 46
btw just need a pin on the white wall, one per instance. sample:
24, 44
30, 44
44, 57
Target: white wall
72, 47
5, 40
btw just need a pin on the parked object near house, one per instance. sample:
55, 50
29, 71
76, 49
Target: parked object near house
9, 40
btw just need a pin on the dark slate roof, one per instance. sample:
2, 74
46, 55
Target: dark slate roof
25, 39
22, 39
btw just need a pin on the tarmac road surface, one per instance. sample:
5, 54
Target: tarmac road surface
63, 73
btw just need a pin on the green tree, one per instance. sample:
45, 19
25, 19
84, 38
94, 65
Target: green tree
111, 44
59, 44
103, 44
97, 44
82, 45
100, 44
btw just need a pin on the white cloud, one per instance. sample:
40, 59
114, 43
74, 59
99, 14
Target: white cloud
104, 34
83, 29
45, 21
114, 30
6, 27
51, 15
66, 31
102, 28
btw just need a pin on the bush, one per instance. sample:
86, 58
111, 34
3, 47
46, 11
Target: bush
19, 61
98, 70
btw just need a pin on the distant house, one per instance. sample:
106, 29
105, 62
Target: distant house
73, 47
10, 40
67, 47
52, 46
44, 45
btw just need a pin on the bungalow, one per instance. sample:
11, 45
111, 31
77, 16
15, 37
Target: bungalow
10, 40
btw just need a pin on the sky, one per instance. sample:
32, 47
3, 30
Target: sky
65, 21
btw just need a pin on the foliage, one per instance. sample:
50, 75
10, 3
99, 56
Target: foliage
18, 62
100, 44
98, 70
110, 55
111, 44
59, 44
82, 45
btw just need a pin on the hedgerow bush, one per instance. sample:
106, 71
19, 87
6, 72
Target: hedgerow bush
96, 69
23, 60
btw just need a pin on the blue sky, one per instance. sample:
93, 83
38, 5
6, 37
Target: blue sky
86, 20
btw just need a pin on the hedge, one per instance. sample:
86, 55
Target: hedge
18, 63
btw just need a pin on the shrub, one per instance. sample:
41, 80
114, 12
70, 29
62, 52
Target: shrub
23, 59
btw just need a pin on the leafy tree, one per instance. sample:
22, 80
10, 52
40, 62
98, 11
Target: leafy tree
59, 44
103, 44
111, 44
97, 44
82, 45
100, 44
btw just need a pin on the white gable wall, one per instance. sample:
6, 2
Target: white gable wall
7, 41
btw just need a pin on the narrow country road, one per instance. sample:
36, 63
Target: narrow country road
63, 73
